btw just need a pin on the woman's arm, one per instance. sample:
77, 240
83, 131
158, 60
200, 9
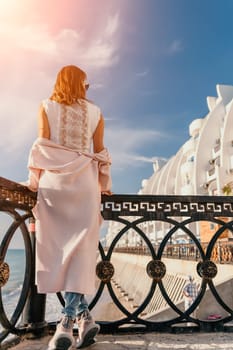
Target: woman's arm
98, 137
98, 142
43, 124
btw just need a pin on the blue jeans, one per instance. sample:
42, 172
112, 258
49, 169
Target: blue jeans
75, 304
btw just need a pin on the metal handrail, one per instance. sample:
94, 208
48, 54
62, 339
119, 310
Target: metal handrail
132, 212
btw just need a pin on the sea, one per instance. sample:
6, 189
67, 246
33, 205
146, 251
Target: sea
12, 289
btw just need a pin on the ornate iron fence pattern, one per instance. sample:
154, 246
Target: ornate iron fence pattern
131, 212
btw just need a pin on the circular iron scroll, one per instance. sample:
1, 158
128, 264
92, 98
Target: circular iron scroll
104, 271
207, 269
156, 269
4, 273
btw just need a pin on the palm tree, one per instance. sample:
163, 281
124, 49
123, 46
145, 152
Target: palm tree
227, 189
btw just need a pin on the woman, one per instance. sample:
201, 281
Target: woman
69, 167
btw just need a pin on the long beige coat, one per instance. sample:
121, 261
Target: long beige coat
67, 213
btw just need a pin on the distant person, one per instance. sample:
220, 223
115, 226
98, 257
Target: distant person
69, 167
190, 293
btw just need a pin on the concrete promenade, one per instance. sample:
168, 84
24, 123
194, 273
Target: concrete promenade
149, 341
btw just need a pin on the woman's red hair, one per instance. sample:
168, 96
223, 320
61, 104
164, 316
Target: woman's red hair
69, 86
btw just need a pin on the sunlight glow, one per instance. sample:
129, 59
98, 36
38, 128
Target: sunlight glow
10, 5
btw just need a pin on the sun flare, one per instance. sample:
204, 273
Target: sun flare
12, 9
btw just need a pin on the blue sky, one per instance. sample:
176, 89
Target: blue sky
151, 64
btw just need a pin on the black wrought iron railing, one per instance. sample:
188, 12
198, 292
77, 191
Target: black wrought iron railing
176, 215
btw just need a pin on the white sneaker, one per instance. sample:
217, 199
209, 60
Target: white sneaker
87, 330
63, 337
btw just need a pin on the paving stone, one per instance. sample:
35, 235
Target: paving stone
149, 341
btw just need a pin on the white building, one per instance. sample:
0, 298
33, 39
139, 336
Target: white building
202, 166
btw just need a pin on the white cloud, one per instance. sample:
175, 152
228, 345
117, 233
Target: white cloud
142, 74
96, 86
31, 53
112, 25
18, 125
175, 46
148, 159
99, 51
124, 143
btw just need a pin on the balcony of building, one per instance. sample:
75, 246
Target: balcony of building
216, 149
195, 127
211, 174
217, 161
187, 189
231, 163
187, 168
189, 146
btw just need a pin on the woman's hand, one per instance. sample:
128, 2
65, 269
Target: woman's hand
108, 193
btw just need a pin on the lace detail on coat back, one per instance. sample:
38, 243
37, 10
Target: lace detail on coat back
73, 130
72, 126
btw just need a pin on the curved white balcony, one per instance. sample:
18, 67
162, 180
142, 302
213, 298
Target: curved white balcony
211, 174
195, 126
225, 92
211, 102
187, 189
216, 149
231, 162
144, 183
189, 146
187, 168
